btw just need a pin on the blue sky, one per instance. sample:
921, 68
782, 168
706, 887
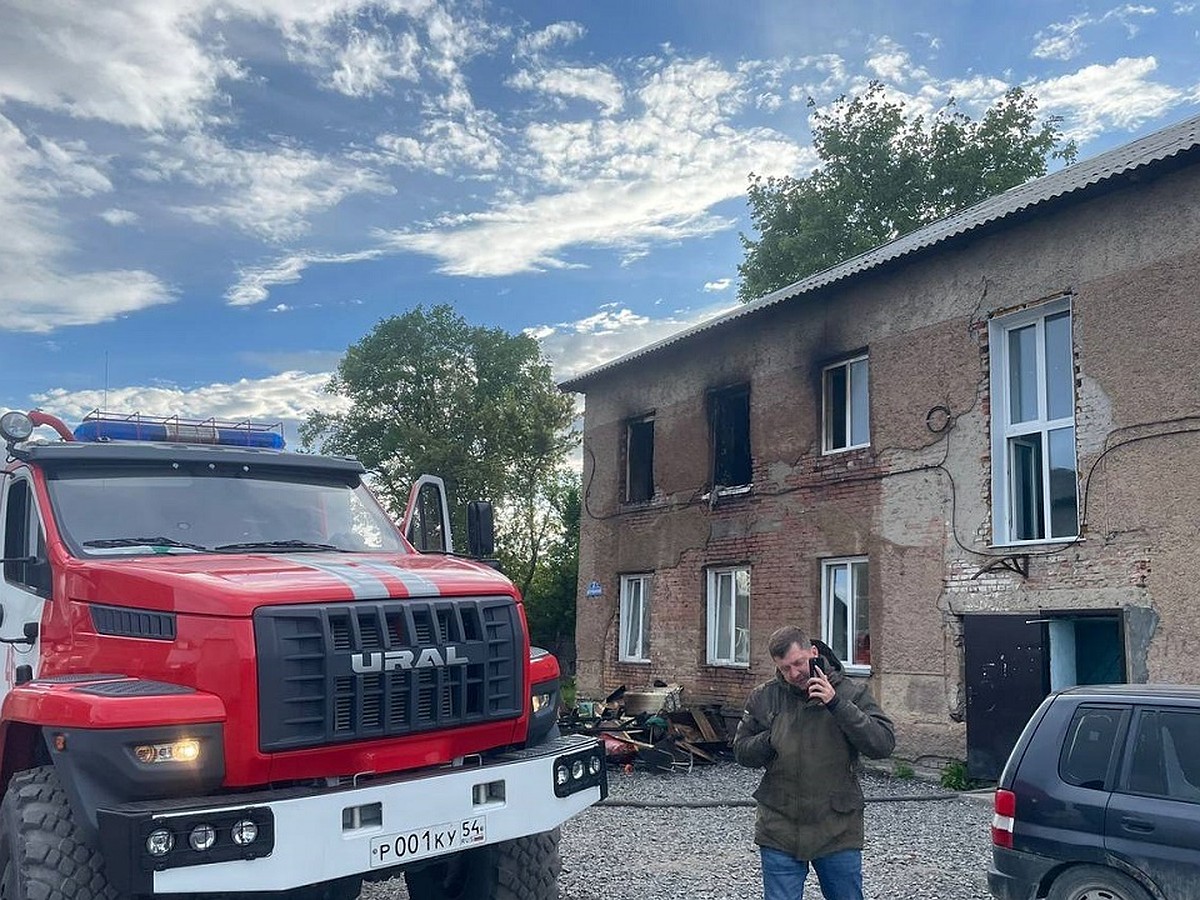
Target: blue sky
204, 202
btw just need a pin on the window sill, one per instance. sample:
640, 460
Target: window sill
633, 662
856, 671
729, 665
740, 491
850, 449
1025, 546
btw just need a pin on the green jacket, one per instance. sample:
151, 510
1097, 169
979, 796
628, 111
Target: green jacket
810, 803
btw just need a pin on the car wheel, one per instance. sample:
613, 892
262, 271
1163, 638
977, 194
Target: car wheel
1095, 883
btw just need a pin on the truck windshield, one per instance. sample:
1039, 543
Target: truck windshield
200, 508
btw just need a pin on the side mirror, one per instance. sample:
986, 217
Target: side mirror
481, 529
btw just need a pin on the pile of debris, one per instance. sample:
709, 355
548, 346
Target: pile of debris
651, 729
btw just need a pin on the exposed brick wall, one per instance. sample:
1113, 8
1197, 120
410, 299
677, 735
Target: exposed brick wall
917, 502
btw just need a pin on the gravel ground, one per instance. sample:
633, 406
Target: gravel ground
932, 849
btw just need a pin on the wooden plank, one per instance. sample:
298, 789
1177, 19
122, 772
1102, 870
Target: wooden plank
705, 726
695, 751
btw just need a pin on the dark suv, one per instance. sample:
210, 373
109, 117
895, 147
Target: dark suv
1100, 799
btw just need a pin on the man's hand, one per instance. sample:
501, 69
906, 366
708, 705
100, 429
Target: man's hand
819, 688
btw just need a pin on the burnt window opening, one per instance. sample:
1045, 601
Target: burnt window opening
639, 459
729, 418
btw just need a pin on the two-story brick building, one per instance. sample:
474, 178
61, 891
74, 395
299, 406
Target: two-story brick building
965, 459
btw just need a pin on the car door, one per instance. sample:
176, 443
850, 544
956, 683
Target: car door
24, 581
1153, 819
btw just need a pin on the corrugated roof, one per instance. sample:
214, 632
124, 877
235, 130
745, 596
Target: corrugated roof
1076, 179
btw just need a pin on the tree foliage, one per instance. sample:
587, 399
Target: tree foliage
882, 174
548, 577
430, 393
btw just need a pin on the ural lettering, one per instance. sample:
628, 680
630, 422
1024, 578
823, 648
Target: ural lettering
387, 661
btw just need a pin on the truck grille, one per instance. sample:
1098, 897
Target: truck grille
333, 673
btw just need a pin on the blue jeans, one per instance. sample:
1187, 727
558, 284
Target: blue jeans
840, 875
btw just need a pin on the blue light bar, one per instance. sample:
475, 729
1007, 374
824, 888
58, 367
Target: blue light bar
99, 427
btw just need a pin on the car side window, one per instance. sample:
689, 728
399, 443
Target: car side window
25, 542
1088, 749
1166, 755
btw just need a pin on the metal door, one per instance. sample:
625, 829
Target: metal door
1007, 675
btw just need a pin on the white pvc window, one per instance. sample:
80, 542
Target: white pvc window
846, 405
846, 611
1035, 484
729, 616
635, 618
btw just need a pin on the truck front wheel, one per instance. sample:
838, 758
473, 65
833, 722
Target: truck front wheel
523, 869
44, 855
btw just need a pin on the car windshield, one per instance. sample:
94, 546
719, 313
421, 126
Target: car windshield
202, 508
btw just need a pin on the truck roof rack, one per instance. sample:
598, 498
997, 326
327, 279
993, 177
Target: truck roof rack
101, 426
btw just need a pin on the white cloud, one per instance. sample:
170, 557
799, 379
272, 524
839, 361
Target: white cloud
254, 283
616, 183
891, 62
370, 60
116, 216
721, 284
270, 193
613, 331
1064, 40
594, 84
136, 63
36, 293
1098, 97
287, 397
448, 147
160, 64
280, 308
557, 33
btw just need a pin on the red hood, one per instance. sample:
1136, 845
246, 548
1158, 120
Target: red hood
235, 585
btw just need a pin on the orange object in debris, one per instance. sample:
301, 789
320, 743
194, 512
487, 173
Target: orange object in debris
628, 768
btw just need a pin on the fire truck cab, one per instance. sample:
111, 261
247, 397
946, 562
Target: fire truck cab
227, 670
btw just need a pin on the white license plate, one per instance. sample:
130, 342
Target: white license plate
431, 841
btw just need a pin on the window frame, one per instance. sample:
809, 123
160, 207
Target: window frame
1116, 748
712, 599
624, 654
1135, 722
34, 577
717, 398
630, 425
850, 563
1003, 433
826, 436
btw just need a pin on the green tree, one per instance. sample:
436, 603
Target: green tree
882, 174
549, 584
429, 392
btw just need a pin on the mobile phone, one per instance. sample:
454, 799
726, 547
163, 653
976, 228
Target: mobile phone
814, 668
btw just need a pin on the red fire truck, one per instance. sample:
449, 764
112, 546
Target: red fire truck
226, 670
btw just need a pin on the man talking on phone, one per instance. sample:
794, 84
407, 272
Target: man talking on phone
808, 726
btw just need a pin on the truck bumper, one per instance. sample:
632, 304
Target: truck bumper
307, 835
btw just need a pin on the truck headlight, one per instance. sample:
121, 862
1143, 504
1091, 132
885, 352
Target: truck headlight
580, 770
538, 702
160, 842
244, 832
184, 751
202, 837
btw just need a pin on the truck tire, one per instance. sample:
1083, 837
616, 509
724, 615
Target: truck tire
1095, 883
44, 855
523, 869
